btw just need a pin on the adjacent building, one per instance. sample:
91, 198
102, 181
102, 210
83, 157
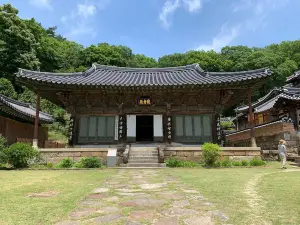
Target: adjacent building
283, 102
17, 121
276, 116
114, 105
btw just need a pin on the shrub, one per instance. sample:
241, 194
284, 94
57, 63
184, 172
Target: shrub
211, 153
189, 164
236, 163
180, 163
89, 162
78, 164
257, 162
65, 163
50, 165
226, 125
3, 156
19, 154
217, 164
244, 163
171, 162
226, 162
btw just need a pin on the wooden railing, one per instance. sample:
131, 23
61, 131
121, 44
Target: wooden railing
42, 144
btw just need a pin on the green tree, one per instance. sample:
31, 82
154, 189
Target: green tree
7, 89
17, 43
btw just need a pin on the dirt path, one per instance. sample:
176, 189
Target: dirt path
148, 196
254, 200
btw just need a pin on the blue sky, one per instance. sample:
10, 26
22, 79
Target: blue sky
159, 27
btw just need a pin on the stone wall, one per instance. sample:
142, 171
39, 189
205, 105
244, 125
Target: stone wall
55, 155
267, 136
184, 153
195, 153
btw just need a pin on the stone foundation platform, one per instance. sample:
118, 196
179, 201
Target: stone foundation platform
191, 153
195, 153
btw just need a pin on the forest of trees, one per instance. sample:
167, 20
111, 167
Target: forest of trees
26, 44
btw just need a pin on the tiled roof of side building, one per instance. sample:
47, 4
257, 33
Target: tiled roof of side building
293, 76
100, 75
273, 92
266, 103
24, 110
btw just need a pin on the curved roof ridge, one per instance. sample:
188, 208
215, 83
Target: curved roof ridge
97, 75
265, 70
107, 67
21, 71
14, 101
17, 106
255, 104
267, 103
294, 75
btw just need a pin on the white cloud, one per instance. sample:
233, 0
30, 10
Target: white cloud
170, 7
254, 15
79, 21
222, 39
259, 11
259, 6
193, 5
86, 10
41, 4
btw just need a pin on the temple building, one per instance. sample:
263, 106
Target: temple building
17, 121
112, 105
276, 116
283, 102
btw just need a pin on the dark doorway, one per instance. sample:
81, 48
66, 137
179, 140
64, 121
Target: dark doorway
144, 128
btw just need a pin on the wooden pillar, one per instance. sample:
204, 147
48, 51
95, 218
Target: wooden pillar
251, 122
36, 121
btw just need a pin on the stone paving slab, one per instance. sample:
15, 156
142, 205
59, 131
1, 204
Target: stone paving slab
139, 197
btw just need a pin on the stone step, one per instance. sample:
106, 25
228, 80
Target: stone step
142, 157
142, 160
143, 149
145, 165
139, 154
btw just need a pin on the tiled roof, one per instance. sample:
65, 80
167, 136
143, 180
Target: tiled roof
273, 92
268, 101
100, 75
293, 77
22, 110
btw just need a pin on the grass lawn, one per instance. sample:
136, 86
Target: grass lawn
265, 195
17, 208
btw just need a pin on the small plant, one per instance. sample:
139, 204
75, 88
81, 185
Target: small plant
189, 164
78, 164
211, 153
217, 164
171, 162
3, 156
226, 162
244, 163
226, 125
50, 165
257, 162
91, 162
180, 163
20, 154
237, 163
65, 163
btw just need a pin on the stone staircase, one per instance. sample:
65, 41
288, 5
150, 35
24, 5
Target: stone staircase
146, 157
